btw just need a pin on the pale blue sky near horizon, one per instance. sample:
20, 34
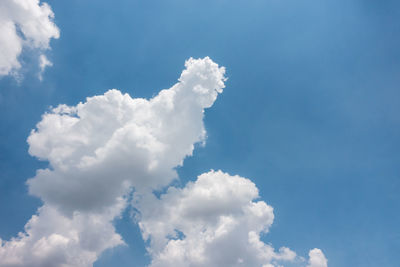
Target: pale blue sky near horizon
310, 112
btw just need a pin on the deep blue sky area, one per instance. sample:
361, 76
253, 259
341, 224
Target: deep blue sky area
310, 113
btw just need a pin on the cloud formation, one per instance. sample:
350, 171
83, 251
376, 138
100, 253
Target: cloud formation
213, 221
317, 258
52, 239
24, 24
97, 151
102, 149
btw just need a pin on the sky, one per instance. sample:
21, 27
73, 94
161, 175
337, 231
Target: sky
297, 149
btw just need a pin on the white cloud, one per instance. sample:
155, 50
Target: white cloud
100, 149
317, 258
214, 221
97, 151
23, 24
43, 64
52, 239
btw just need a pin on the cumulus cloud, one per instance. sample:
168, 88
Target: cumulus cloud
101, 149
317, 258
97, 151
24, 24
52, 239
214, 221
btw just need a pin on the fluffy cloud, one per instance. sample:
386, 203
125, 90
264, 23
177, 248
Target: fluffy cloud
317, 258
211, 222
52, 239
101, 149
97, 151
23, 23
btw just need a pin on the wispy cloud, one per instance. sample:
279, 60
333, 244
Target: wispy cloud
43, 64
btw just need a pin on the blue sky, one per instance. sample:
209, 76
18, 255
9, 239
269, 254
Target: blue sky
309, 112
